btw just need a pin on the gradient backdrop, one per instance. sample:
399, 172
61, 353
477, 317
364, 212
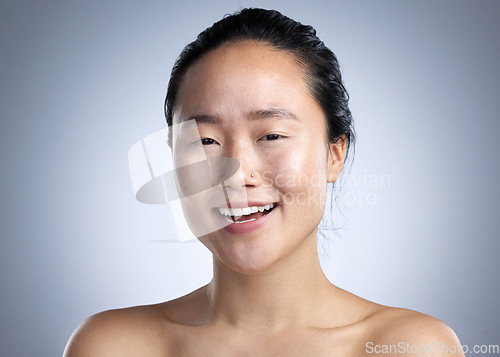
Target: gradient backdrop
82, 81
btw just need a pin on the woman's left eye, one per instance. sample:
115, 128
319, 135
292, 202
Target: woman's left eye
271, 137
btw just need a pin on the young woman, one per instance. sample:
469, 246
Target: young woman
262, 89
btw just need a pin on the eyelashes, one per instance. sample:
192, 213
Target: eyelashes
272, 137
268, 137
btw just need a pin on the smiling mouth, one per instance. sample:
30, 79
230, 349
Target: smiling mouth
246, 214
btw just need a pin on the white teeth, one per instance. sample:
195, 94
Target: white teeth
238, 212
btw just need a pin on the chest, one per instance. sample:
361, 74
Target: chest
292, 345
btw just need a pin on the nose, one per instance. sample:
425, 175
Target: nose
247, 175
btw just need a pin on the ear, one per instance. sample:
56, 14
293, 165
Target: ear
336, 155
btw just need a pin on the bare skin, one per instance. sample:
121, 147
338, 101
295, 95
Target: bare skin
269, 295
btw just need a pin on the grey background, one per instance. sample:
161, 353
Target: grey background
82, 81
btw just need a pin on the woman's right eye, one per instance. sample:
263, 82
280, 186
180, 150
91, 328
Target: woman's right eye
207, 141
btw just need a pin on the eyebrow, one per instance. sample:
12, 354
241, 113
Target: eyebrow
259, 114
202, 118
271, 113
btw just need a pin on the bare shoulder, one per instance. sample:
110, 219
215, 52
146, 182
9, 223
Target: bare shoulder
122, 332
406, 332
149, 330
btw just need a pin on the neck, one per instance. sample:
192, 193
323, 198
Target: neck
293, 291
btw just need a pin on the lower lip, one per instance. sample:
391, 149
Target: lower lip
247, 227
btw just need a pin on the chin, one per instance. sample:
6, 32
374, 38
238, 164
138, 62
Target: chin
245, 257
262, 249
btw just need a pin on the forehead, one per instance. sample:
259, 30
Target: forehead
246, 56
242, 75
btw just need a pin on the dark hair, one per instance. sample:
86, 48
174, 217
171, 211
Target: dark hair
271, 27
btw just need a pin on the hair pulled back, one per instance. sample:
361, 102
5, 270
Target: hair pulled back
323, 73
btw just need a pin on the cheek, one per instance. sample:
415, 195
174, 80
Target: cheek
301, 176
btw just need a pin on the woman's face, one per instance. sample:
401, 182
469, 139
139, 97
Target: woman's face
251, 103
